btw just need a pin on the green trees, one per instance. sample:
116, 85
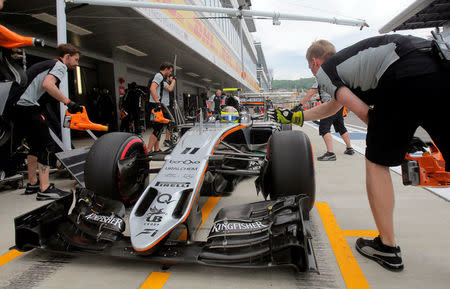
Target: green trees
291, 85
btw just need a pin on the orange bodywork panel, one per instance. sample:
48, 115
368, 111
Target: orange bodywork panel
9, 39
80, 121
431, 168
157, 116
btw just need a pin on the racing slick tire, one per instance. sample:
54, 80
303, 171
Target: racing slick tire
291, 166
101, 171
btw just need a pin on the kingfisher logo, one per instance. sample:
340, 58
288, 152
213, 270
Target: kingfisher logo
222, 227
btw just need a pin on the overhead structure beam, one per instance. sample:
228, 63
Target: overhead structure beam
276, 16
406, 14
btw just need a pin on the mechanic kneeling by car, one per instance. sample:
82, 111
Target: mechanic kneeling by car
43, 88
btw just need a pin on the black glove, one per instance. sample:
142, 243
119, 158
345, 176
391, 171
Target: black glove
73, 107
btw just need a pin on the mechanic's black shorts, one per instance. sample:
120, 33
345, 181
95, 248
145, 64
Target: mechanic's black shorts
32, 125
400, 106
337, 120
157, 126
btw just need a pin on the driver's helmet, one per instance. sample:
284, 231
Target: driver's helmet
229, 114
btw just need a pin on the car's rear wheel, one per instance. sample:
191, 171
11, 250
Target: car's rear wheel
291, 166
101, 171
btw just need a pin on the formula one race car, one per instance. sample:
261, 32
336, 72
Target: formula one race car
207, 161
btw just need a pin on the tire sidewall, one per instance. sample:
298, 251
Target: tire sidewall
101, 170
291, 165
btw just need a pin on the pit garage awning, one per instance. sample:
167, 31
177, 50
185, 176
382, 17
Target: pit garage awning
102, 31
420, 14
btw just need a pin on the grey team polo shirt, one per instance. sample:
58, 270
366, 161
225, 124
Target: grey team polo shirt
361, 66
324, 96
166, 95
158, 79
36, 75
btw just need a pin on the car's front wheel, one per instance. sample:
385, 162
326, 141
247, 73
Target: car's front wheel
101, 171
291, 166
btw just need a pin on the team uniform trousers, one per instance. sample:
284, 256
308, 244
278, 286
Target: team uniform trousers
32, 124
158, 127
337, 120
400, 107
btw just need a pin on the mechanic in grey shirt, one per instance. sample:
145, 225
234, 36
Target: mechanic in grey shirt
32, 115
384, 81
337, 120
155, 89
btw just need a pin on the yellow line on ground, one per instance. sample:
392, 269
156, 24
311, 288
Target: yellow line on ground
5, 258
156, 280
207, 208
360, 233
351, 272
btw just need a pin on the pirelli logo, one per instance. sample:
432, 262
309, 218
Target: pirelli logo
173, 184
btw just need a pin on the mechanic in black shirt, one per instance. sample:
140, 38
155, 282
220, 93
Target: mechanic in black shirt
43, 88
132, 105
384, 80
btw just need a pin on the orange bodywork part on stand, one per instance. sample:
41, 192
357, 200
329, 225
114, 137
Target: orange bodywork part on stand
431, 168
9, 39
80, 121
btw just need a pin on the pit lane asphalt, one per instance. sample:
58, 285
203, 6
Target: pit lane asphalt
341, 215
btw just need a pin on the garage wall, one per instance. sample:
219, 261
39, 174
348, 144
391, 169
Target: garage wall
139, 77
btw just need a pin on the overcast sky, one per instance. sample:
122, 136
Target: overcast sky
285, 45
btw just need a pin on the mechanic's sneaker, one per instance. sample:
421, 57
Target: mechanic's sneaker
327, 157
168, 143
31, 189
387, 256
51, 193
349, 151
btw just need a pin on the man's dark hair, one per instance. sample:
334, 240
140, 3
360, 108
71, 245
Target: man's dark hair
70, 49
166, 65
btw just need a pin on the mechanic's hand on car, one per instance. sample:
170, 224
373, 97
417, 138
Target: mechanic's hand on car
287, 116
74, 107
